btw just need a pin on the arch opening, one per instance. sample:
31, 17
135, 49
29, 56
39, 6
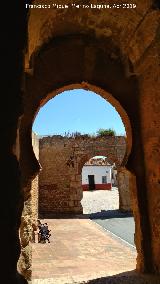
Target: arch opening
73, 56
99, 175
117, 148
72, 163
127, 132
42, 93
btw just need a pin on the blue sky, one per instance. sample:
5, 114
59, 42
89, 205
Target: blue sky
77, 110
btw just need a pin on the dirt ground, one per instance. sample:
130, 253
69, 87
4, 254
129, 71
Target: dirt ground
98, 200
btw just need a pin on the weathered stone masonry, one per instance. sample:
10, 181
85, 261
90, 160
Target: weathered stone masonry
114, 50
62, 159
29, 217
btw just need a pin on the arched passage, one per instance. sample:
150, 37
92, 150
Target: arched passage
73, 73
124, 181
53, 72
129, 31
98, 185
62, 159
68, 195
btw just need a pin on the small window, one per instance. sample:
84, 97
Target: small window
104, 179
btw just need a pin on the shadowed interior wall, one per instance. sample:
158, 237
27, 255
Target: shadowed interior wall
13, 41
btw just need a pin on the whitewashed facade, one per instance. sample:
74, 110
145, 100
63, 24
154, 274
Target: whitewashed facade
96, 177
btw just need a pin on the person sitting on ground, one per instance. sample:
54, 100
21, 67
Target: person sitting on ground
40, 233
47, 232
46, 226
44, 233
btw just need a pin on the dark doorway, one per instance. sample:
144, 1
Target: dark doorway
91, 182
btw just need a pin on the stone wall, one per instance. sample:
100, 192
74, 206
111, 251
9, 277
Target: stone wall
29, 219
57, 193
118, 51
62, 159
35, 181
124, 187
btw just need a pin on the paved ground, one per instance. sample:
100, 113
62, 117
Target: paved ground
120, 225
81, 250
102, 208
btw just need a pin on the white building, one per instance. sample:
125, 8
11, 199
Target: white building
97, 174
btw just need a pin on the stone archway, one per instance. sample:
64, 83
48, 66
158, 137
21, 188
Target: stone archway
42, 85
126, 32
62, 159
101, 59
124, 181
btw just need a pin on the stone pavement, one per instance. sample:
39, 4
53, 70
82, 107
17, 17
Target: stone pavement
80, 250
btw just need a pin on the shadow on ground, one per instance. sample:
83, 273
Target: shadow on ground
110, 214
103, 214
128, 277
